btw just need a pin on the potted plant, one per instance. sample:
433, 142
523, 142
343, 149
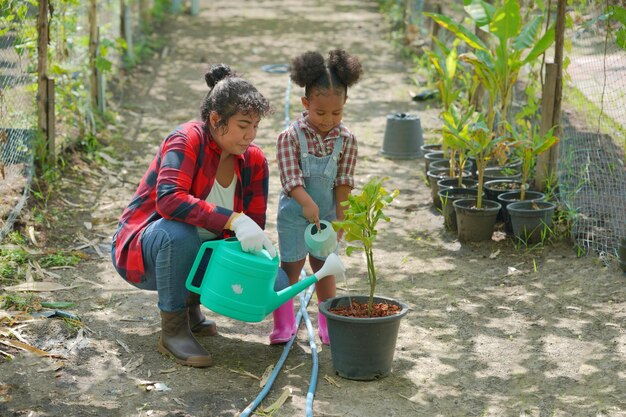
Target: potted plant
530, 144
476, 217
363, 329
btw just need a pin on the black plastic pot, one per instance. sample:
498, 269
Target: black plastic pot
501, 173
531, 220
430, 147
449, 195
434, 176
432, 156
362, 348
466, 182
403, 137
494, 188
513, 196
475, 224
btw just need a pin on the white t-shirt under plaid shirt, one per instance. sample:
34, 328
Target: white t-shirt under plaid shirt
288, 153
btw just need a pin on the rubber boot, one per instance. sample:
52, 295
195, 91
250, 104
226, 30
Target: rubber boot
284, 324
199, 324
322, 327
178, 342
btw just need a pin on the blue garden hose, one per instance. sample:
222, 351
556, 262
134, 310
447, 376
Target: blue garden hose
305, 298
281, 69
315, 363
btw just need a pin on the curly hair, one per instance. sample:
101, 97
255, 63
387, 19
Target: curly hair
230, 94
341, 71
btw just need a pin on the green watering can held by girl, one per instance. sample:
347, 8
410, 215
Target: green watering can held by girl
240, 285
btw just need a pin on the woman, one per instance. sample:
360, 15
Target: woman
207, 181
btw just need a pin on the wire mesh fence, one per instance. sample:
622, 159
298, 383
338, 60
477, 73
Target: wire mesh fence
121, 27
592, 176
17, 120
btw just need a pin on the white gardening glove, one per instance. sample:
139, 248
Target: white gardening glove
251, 236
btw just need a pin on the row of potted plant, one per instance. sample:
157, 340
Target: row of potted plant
484, 136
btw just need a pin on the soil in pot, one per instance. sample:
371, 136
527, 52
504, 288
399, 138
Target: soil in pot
447, 196
514, 196
359, 309
362, 348
531, 220
475, 224
494, 188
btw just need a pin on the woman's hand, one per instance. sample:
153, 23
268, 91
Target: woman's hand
250, 235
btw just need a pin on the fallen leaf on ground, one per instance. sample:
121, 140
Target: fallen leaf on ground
275, 406
331, 381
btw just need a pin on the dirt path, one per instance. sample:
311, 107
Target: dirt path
492, 331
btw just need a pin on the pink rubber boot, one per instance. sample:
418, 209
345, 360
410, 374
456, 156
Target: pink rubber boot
322, 328
284, 324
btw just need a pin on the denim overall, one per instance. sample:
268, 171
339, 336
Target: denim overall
319, 174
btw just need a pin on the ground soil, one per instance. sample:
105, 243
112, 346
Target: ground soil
493, 330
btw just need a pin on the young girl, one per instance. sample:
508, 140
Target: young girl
316, 158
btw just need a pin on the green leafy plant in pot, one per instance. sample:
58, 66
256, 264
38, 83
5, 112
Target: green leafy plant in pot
363, 329
476, 217
530, 144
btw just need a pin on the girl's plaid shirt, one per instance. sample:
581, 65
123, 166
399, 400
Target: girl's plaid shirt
288, 153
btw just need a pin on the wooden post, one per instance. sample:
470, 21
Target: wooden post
128, 31
51, 119
93, 53
100, 83
42, 83
122, 19
547, 163
176, 4
435, 27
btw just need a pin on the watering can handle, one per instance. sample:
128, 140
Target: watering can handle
209, 244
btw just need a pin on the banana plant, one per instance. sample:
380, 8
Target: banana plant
530, 144
514, 45
445, 62
477, 139
456, 123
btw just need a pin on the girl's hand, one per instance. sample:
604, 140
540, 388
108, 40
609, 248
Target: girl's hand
311, 212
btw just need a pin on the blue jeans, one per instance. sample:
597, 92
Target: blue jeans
169, 251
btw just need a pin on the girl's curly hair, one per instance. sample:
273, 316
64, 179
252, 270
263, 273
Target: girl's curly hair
341, 70
230, 94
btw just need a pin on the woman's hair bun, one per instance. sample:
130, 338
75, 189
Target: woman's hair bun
217, 73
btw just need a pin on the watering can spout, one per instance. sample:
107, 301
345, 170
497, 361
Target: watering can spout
332, 266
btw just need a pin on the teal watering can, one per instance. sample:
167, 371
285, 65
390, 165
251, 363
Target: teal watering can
240, 284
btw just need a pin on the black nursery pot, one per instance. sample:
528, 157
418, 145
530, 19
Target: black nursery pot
447, 196
362, 348
430, 157
513, 196
531, 220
